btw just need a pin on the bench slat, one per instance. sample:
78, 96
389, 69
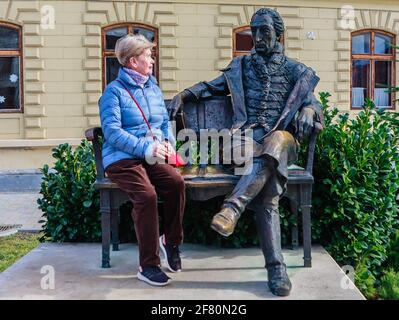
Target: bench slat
192, 181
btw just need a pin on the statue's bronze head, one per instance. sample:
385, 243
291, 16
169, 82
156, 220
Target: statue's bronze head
267, 27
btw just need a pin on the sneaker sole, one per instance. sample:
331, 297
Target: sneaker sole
157, 284
166, 257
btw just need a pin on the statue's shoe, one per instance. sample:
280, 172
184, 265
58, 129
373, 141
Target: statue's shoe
225, 221
278, 281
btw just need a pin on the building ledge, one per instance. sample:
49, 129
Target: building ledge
37, 143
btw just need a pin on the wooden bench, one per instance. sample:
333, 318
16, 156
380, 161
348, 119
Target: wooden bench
208, 181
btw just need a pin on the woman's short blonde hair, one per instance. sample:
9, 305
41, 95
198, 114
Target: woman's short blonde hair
131, 45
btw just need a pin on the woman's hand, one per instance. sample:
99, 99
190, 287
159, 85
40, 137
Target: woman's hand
163, 150
171, 151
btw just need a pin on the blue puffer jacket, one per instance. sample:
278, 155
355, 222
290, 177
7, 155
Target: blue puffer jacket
124, 128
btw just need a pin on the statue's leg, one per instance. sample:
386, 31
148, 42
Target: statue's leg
268, 226
247, 188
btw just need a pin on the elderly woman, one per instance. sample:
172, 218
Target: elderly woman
136, 128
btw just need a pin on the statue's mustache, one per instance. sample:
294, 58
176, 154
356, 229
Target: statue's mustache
261, 44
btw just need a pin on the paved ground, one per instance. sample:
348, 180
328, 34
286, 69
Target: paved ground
209, 273
20, 208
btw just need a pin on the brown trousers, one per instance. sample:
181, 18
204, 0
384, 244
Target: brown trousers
143, 182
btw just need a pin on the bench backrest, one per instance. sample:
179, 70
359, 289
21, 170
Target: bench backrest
217, 113
214, 113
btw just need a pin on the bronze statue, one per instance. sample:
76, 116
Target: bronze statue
272, 95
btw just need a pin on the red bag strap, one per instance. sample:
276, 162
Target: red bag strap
138, 106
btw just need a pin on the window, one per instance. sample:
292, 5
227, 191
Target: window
242, 41
109, 37
10, 68
373, 68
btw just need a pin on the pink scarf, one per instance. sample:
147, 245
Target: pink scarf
137, 77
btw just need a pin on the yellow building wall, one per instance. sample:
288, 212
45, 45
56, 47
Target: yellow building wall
63, 66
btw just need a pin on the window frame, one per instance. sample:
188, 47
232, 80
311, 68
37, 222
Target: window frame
372, 57
237, 53
15, 53
130, 26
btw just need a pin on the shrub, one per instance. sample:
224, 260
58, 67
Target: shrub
365, 281
390, 285
356, 180
69, 201
393, 255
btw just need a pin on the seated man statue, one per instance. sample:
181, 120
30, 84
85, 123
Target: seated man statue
272, 95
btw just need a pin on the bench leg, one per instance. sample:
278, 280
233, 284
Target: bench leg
105, 210
294, 228
115, 229
306, 205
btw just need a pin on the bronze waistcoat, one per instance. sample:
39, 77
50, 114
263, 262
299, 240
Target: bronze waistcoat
265, 98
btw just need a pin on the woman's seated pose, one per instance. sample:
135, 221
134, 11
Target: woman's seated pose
137, 132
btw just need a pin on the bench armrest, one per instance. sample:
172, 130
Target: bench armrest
94, 135
312, 145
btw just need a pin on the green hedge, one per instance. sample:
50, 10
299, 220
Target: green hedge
69, 202
356, 181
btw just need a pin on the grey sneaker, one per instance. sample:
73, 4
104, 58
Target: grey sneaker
153, 276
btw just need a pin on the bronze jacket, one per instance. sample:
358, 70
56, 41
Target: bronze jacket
230, 82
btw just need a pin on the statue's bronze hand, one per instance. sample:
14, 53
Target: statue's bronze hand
305, 122
177, 103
